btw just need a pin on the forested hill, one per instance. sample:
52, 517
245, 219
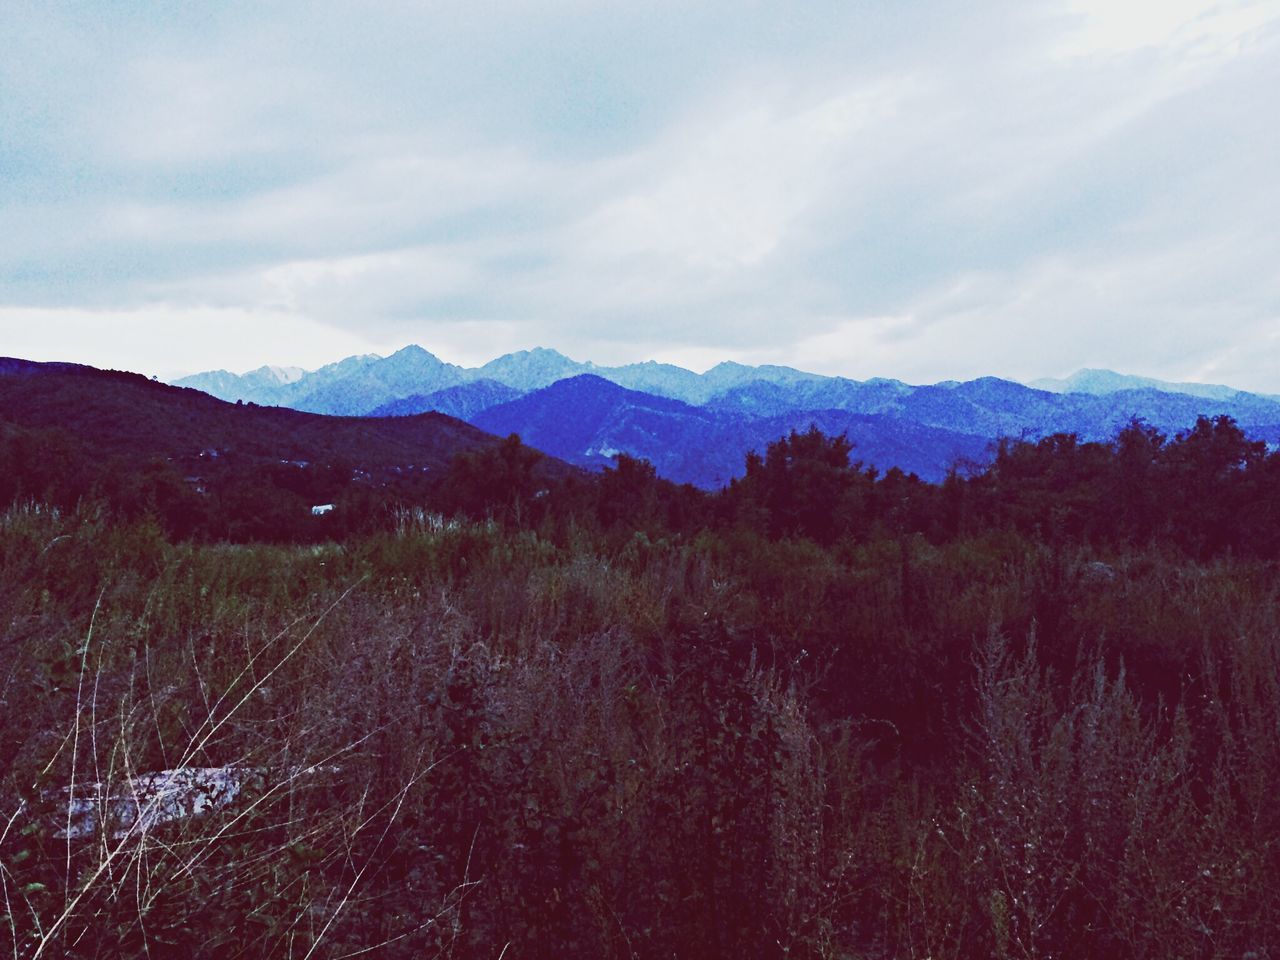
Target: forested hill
68, 431
125, 414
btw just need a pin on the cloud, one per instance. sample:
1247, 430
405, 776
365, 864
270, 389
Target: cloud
1196, 30
926, 191
172, 340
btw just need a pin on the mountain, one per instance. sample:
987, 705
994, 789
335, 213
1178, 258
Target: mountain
720, 414
668, 380
727, 375
371, 382
771, 398
350, 387
587, 420
361, 384
988, 407
925, 429
659, 379
1085, 403
992, 407
269, 386
1102, 382
528, 370
464, 401
202, 468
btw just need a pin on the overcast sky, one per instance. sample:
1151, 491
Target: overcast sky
919, 190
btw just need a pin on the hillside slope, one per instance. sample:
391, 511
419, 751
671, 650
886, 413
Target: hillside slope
124, 415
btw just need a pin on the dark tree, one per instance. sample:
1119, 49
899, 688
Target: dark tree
806, 486
497, 481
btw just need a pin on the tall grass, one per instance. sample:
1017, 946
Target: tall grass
456, 740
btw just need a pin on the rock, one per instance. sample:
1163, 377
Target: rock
1097, 572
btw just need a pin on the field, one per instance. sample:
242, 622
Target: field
473, 738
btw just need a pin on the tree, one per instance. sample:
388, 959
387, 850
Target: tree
496, 481
1210, 468
1133, 501
628, 493
806, 485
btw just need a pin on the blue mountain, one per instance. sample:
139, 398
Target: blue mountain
463, 401
588, 420
591, 420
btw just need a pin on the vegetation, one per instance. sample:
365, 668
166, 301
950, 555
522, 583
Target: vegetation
1030, 712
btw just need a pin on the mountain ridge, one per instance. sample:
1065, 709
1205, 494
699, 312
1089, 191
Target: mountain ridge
525, 370
728, 409
1099, 381
532, 369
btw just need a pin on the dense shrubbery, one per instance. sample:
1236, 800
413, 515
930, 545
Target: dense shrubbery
826, 713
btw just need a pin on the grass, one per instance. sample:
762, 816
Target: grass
450, 739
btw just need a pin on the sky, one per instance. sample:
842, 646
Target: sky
926, 190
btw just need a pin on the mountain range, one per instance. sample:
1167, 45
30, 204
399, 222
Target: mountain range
697, 427
361, 384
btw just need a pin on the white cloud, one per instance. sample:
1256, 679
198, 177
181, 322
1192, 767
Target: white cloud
930, 192
1195, 29
724, 196
170, 340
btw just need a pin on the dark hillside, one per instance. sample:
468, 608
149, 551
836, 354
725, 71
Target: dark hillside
205, 468
123, 414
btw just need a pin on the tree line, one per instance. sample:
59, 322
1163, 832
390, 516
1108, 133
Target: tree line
1205, 491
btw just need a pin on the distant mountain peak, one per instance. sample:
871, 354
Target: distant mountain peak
1100, 382
413, 350
277, 374
530, 369
414, 354
541, 353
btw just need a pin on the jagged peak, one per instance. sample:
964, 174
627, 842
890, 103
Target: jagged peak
546, 352
416, 354
280, 374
